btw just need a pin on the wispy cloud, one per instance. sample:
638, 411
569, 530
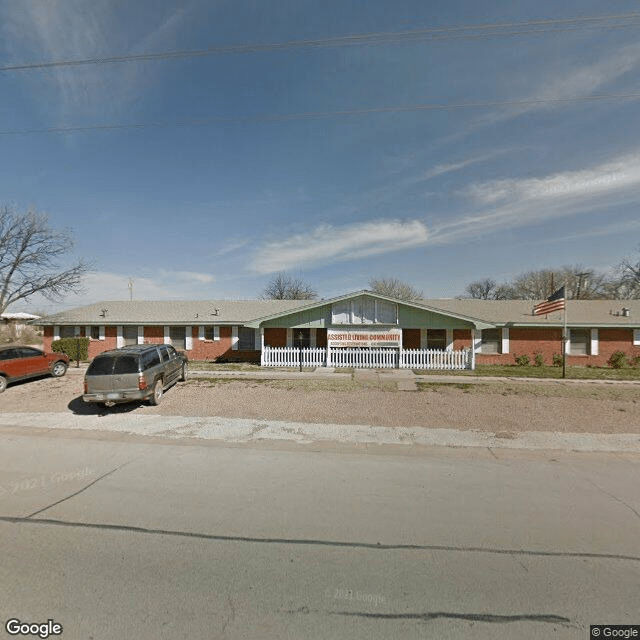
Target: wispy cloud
510, 203
35, 31
441, 169
580, 82
164, 284
330, 243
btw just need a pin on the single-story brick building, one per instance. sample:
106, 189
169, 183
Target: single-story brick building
350, 326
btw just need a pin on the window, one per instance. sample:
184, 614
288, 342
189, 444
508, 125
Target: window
101, 366
178, 337
579, 340
67, 332
491, 340
150, 359
246, 339
130, 335
437, 339
28, 352
209, 333
95, 333
364, 310
126, 364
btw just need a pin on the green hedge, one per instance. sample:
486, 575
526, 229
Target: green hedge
75, 348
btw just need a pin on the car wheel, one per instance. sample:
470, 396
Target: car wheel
58, 369
185, 372
156, 397
3, 383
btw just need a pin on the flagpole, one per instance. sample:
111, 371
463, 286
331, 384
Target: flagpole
564, 336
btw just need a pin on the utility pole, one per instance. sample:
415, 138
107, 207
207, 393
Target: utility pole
130, 285
580, 276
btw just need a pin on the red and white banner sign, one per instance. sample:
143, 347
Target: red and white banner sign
364, 338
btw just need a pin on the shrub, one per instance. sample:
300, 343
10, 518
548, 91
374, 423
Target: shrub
617, 360
539, 360
635, 361
523, 360
557, 360
75, 348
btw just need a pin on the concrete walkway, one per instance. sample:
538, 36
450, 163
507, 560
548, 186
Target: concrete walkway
405, 379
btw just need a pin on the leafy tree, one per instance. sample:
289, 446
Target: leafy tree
394, 288
30, 251
285, 287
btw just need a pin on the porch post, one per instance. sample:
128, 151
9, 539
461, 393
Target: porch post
262, 346
473, 349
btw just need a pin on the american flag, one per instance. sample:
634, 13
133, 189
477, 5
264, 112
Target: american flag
555, 302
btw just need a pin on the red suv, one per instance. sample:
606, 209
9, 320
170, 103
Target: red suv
18, 363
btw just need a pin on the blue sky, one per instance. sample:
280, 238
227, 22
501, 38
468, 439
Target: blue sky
494, 138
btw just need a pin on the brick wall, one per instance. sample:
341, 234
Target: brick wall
548, 341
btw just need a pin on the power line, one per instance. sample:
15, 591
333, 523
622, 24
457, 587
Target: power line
467, 32
314, 115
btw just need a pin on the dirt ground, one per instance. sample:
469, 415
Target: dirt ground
506, 408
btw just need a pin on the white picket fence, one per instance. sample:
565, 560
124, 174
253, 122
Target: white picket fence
435, 359
290, 357
368, 358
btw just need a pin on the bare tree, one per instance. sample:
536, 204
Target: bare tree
285, 287
627, 286
394, 288
30, 251
580, 284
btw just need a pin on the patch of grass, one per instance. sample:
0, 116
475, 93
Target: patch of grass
594, 392
532, 371
208, 365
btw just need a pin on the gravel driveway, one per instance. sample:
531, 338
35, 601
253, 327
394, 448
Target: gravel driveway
504, 407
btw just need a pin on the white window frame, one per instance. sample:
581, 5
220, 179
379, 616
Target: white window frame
56, 332
499, 341
167, 334
101, 332
119, 336
594, 342
188, 338
140, 334
234, 337
636, 337
569, 341
505, 339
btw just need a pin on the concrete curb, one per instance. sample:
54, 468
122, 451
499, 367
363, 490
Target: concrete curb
243, 431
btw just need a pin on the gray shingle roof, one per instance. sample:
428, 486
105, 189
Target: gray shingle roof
592, 313
177, 312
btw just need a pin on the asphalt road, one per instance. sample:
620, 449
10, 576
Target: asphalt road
117, 538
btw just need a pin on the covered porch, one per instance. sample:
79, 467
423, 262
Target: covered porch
366, 330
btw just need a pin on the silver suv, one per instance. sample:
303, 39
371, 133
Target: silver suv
137, 372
